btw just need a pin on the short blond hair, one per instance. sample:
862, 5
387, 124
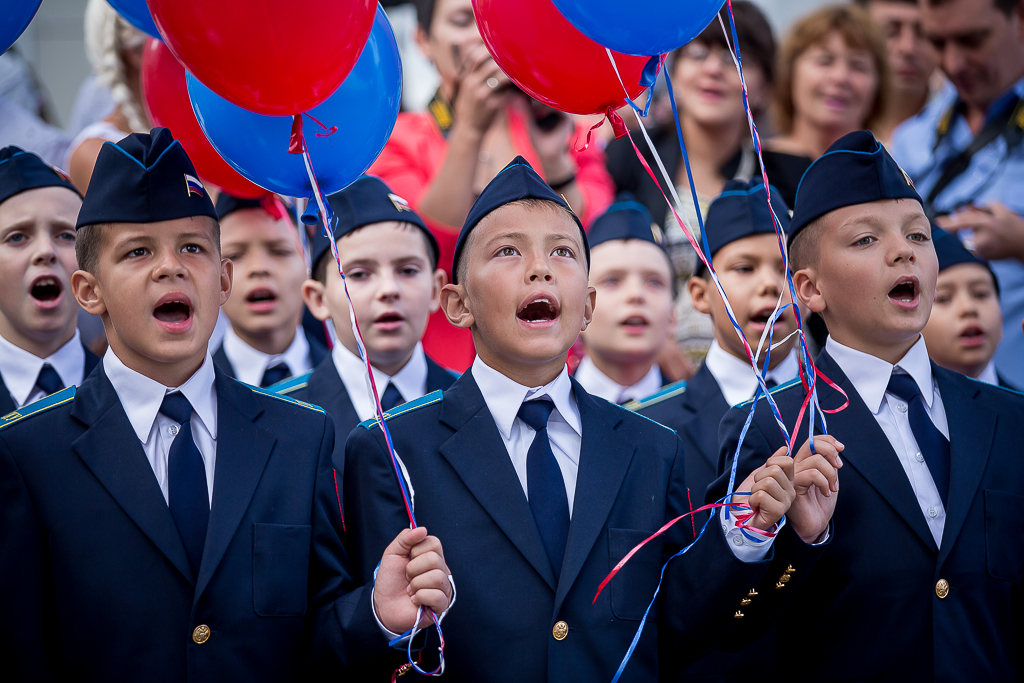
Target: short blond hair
858, 30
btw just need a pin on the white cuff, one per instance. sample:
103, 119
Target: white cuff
392, 637
747, 547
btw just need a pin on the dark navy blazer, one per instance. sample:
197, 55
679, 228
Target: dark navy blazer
317, 353
7, 402
466, 492
94, 581
872, 609
322, 386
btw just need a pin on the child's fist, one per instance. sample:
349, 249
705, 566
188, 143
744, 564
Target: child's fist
771, 490
817, 487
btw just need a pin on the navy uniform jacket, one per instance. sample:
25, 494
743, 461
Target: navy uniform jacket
94, 581
467, 493
317, 353
322, 386
693, 409
882, 614
7, 402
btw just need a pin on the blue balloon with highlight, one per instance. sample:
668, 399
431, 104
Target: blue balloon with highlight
364, 109
643, 27
136, 13
15, 16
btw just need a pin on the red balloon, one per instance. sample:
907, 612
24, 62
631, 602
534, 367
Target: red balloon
166, 98
551, 59
268, 56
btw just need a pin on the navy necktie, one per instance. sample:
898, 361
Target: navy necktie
49, 381
934, 446
545, 485
392, 397
188, 495
770, 383
275, 374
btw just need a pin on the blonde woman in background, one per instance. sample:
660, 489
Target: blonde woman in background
114, 48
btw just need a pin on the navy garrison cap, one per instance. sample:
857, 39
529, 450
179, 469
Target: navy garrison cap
952, 252
856, 169
626, 219
228, 203
144, 178
741, 211
366, 201
516, 181
21, 171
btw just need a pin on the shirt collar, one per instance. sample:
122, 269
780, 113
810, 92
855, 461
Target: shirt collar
20, 369
989, 375
141, 396
504, 396
601, 385
411, 380
250, 363
870, 374
736, 378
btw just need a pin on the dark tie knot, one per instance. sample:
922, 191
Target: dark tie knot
903, 386
49, 381
176, 407
277, 373
536, 413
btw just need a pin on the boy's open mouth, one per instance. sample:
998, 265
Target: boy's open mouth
538, 309
46, 289
174, 311
261, 300
635, 323
389, 320
905, 293
972, 336
760, 318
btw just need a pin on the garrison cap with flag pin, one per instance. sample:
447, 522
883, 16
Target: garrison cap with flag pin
21, 171
516, 181
144, 178
856, 169
366, 201
741, 210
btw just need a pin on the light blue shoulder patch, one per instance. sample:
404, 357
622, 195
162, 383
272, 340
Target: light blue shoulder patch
287, 386
781, 387
41, 406
666, 392
432, 397
285, 399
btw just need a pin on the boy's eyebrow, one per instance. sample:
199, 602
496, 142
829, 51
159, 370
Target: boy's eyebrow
194, 236
508, 236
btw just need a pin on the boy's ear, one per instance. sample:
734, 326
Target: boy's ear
588, 310
805, 283
314, 294
227, 271
438, 280
698, 289
86, 289
456, 306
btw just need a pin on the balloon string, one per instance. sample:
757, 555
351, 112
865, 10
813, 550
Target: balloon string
401, 473
329, 131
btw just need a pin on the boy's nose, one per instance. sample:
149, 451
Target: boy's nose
46, 253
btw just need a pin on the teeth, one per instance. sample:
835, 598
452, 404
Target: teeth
541, 301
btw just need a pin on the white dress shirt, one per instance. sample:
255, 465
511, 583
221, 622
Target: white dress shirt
250, 363
20, 369
988, 375
141, 397
411, 380
599, 384
736, 378
870, 377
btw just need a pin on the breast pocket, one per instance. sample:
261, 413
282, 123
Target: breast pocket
633, 587
1004, 535
280, 565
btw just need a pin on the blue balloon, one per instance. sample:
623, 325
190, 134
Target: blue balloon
136, 13
643, 27
15, 16
364, 109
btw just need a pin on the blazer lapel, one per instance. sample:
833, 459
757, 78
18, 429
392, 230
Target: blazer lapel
438, 379
605, 456
478, 455
91, 361
326, 390
111, 450
242, 454
317, 351
703, 398
220, 358
868, 449
6, 400
971, 430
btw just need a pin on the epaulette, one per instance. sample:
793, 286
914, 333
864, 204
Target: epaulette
432, 397
773, 391
666, 392
285, 399
41, 406
287, 386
